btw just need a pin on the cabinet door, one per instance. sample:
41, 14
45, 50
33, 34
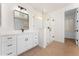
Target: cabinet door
22, 41
35, 37
29, 44
26, 42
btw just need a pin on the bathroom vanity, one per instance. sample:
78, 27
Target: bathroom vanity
15, 44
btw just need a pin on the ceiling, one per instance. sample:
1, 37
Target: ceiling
48, 7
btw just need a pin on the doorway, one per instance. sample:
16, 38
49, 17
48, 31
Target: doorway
70, 27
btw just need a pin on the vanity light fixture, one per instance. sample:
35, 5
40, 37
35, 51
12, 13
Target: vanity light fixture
22, 8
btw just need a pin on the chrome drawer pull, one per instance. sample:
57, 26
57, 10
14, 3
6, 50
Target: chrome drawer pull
9, 45
10, 38
9, 53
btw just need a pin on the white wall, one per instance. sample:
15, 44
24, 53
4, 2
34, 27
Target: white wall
58, 15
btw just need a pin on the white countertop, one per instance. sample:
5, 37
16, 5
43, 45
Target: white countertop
15, 32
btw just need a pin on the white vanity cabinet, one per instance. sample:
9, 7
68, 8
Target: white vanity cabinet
26, 41
11, 45
8, 45
34, 39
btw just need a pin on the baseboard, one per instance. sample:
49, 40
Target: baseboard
43, 46
69, 34
62, 41
58, 41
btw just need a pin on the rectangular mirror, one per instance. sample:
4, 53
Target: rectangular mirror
21, 20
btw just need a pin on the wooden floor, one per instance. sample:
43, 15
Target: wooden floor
68, 48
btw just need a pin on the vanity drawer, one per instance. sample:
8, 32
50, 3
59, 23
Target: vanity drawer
8, 38
10, 53
35, 36
11, 50
9, 45
35, 39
